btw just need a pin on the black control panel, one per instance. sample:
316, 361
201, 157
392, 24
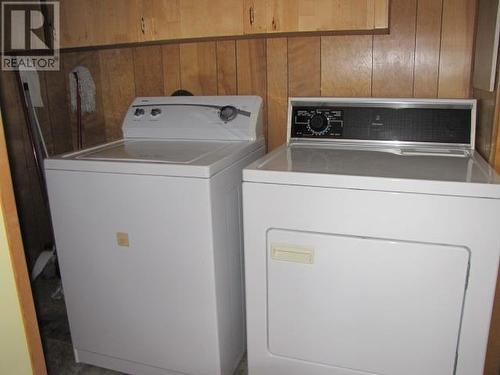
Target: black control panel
435, 124
324, 122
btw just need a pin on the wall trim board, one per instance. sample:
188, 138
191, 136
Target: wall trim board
17, 256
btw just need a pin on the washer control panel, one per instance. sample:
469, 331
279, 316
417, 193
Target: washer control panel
317, 122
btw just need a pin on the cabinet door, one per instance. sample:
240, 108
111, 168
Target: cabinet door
269, 16
184, 19
94, 22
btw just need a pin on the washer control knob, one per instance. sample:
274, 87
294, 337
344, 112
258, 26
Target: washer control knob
155, 112
139, 112
228, 113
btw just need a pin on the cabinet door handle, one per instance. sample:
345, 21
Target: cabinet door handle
143, 25
251, 15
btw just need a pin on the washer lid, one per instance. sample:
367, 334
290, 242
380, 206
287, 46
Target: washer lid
181, 152
430, 171
183, 158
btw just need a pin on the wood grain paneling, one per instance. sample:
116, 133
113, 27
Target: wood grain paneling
486, 104
304, 66
346, 65
226, 68
456, 48
171, 68
97, 22
118, 88
427, 45
277, 91
56, 104
162, 19
394, 54
198, 68
251, 69
381, 14
44, 116
251, 66
495, 152
176, 19
148, 71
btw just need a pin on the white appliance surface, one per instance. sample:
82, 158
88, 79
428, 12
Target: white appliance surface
377, 168
377, 257
182, 158
342, 266
149, 238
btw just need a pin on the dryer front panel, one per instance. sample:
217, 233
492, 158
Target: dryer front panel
358, 282
360, 303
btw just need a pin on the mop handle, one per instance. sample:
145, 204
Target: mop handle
79, 130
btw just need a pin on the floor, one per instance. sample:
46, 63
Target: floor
56, 337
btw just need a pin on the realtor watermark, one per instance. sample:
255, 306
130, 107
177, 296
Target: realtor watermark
30, 35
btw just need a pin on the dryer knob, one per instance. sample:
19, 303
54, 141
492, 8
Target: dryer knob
318, 124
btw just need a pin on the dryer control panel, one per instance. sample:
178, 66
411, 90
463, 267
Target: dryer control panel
394, 120
324, 122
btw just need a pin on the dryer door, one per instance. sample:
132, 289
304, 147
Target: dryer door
367, 304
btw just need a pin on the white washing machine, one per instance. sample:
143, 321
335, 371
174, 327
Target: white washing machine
371, 241
148, 232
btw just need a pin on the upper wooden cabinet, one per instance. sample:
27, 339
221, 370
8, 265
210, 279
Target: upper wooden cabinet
287, 16
98, 22
184, 19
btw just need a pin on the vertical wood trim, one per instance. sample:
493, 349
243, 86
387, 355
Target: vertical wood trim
456, 48
199, 68
15, 243
277, 91
148, 71
226, 68
427, 45
346, 65
118, 88
251, 62
304, 66
394, 54
171, 68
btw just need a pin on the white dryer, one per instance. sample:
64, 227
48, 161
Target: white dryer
371, 241
148, 232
